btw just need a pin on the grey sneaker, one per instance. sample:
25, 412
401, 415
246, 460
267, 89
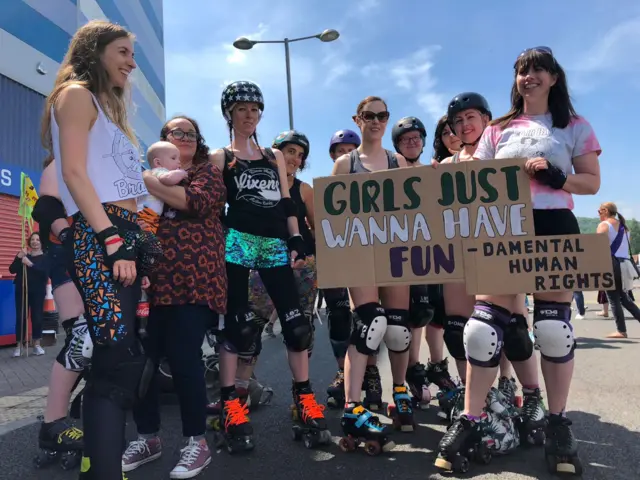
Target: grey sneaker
193, 459
141, 451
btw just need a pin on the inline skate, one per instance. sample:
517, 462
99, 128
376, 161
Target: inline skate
419, 386
309, 424
359, 425
59, 441
401, 412
234, 429
335, 391
372, 386
561, 448
462, 443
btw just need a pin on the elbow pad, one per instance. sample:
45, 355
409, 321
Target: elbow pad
552, 177
290, 207
48, 209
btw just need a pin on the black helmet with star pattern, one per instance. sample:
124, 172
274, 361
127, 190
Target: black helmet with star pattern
242, 91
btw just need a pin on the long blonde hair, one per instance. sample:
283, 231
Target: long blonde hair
82, 66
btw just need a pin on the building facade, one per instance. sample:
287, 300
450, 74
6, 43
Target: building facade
34, 37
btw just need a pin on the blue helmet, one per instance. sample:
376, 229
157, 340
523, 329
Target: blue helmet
344, 136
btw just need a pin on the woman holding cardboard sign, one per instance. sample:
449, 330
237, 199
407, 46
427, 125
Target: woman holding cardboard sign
375, 322
543, 127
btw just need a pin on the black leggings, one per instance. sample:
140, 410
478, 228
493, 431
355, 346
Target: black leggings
340, 320
279, 282
110, 310
618, 299
35, 306
177, 332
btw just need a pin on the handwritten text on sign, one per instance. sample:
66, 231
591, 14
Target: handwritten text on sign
406, 225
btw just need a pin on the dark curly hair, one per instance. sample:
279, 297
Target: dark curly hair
440, 151
202, 150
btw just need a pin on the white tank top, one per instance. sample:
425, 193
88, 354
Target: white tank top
113, 163
623, 249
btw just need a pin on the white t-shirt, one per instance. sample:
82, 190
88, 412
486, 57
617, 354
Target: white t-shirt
530, 136
149, 200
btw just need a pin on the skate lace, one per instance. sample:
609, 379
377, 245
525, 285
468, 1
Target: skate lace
373, 381
401, 399
72, 433
310, 407
530, 406
338, 380
453, 431
237, 412
190, 453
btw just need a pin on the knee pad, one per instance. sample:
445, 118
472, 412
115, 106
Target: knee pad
241, 332
297, 331
420, 308
340, 323
397, 338
76, 353
553, 331
483, 334
453, 336
121, 374
518, 346
369, 329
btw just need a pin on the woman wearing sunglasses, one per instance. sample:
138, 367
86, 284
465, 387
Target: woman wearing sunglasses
562, 152
382, 313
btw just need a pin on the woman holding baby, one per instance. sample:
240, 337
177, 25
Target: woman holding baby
188, 290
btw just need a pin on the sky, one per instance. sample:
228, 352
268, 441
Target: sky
415, 55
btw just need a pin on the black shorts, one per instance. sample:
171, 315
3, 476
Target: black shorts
436, 296
60, 258
555, 222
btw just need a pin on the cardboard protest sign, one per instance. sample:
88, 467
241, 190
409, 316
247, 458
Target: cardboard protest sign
469, 222
405, 226
538, 264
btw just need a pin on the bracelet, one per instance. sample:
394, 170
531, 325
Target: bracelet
113, 241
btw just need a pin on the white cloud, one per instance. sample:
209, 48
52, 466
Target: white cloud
613, 54
413, 75
365, 6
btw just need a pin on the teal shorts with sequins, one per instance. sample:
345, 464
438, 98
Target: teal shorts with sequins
253, 251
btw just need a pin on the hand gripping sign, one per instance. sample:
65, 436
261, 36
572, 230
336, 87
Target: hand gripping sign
468, 222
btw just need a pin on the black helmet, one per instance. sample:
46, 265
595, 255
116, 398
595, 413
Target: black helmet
292, 136
466, 101
240, 92
405, 125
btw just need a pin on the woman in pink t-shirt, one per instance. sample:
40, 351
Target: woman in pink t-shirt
562, 160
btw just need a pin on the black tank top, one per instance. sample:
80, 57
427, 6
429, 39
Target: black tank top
303, 228
253, 195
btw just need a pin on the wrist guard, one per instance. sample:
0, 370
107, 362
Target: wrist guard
552, 176
296, 244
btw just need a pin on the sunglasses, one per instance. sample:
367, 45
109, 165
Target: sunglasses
369, 116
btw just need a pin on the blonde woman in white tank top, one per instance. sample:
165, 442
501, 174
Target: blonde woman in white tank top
85, 127
613, 224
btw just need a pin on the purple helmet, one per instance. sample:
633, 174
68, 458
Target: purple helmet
344, 136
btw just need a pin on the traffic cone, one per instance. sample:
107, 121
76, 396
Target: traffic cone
51, 319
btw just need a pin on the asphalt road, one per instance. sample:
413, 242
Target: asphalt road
604, 407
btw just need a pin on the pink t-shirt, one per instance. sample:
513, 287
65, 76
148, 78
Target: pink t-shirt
534, 136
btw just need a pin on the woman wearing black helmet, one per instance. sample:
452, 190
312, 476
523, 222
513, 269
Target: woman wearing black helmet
468, 115
295, 149
562, 152
262, 235
409, 137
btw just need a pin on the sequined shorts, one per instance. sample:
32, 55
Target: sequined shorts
253, 251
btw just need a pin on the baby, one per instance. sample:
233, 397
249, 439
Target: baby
164, 159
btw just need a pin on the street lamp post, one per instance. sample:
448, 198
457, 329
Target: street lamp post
243, 43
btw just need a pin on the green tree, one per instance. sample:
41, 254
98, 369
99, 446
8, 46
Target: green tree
634, 234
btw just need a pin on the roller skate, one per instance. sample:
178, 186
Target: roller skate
560, 447
309, 424
462, 443
401, 412
509, 388
359, 425
253, 397
372, 387
335, 391
59, 441
419, 386
438, 374
235, 432
532, 422
451, 403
